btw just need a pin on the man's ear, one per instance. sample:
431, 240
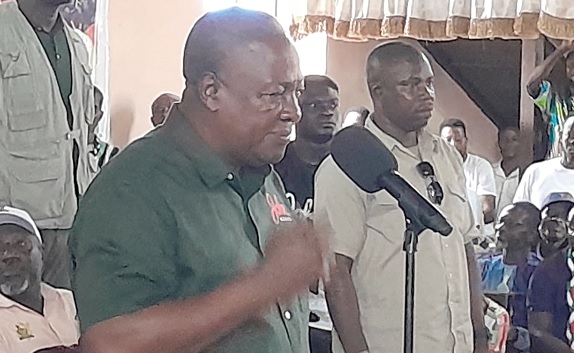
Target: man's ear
209, 89
376, 90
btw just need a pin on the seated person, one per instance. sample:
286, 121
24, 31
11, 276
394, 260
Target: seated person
33, 314
550, 287
520, 241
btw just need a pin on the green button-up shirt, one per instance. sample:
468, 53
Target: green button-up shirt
166, 220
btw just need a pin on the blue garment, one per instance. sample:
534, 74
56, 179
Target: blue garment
548, 292
496, 276
517, 302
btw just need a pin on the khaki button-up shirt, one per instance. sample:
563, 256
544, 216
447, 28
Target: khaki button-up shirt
36, 141
369, 229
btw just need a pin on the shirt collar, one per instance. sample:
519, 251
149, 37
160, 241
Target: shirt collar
212, 169
497, 168
426, 140
48, 293
58, 25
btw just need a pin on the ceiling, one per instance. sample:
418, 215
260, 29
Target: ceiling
489, 72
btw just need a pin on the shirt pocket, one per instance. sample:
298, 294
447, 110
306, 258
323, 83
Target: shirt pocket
21, 97
38, 183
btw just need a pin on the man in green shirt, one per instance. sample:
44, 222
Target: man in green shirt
185, 242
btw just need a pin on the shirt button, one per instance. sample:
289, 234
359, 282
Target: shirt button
229, 176
68, 136
446, 245
450, 275
58, 56
287, 315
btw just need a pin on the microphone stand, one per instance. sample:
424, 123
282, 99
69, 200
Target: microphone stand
410, 243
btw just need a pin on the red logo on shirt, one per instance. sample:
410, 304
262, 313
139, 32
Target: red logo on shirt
278, 210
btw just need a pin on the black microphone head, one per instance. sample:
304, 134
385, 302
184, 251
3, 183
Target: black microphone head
362, 157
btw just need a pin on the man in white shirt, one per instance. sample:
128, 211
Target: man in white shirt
507, 170
480, 184
552, 176
33, 315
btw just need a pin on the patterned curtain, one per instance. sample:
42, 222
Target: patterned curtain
360, 20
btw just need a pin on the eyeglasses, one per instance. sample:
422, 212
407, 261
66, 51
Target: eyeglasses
434, 190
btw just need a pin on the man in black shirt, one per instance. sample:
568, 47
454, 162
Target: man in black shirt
319, 122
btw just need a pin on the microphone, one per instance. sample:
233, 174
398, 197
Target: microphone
372, 167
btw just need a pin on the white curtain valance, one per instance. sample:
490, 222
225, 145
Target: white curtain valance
434, 19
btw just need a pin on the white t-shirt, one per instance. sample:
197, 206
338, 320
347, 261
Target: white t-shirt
479, 182
542, 179
318, 306
506, 186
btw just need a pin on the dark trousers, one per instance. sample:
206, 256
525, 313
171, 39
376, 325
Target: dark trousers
56, 258
320, 340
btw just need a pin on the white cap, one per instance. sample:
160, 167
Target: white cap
20, 218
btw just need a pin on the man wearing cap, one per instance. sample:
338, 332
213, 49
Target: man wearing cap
33, 314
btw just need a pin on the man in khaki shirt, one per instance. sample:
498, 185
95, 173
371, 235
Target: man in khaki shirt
366, 295
46, 107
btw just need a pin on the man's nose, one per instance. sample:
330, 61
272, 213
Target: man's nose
291, 109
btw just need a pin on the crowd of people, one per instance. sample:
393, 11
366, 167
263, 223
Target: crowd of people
220, 232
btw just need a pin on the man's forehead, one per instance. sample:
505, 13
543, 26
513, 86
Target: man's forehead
452, 131
318, 92
410, 68
513, 214
273, 61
